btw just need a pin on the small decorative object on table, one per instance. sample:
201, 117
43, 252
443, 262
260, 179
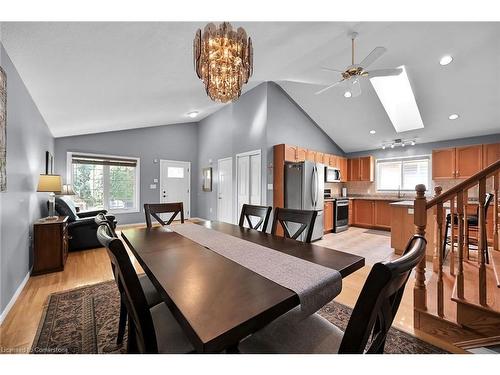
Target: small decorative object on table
207, 179
50, 183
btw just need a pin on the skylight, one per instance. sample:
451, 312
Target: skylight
397, 97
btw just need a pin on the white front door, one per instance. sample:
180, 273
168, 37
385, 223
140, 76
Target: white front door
225, 190
248, 182
175, 184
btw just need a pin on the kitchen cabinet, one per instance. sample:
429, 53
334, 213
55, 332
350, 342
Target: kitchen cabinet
311, 155
333, 161
361, 169
301, 154
342, 165
290, 152
491, 154
328, 217
468, 160
457, 162
363, 212
319, 157
382, 214
350, 220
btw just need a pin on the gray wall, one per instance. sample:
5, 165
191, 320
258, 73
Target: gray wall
28, 137
236, 128
426, 148
170, 142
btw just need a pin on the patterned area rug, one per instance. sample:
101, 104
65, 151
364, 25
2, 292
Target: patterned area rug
85, 320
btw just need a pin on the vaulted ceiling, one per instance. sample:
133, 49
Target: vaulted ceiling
94, 77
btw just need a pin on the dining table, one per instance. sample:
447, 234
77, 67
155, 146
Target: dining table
217, 301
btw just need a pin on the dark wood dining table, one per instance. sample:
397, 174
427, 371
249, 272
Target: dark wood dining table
216, 301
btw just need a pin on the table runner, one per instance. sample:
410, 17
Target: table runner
315, 285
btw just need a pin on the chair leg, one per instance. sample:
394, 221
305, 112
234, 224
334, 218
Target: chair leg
445, 238
131, 339
122, 322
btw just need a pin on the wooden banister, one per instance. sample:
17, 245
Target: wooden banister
464, 185
420, 221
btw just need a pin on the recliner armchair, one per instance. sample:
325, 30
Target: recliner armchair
82, 228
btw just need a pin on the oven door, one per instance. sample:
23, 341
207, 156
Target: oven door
341, 215
332, 174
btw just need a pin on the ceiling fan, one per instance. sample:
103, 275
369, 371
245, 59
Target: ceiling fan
354, 73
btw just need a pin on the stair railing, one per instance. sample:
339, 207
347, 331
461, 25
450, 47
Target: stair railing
457, 198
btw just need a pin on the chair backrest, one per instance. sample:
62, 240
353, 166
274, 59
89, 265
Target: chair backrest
487, 202
101, 219
153, 209
262, 212
379, 301
285, 216
141, 327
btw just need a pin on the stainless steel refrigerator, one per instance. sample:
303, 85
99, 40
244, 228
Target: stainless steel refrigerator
304, 190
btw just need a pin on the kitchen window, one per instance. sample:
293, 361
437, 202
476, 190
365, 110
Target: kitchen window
105, 182
402, 173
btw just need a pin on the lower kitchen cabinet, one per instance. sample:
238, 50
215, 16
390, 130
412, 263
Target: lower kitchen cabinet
363, 212
382, 214
368, 213
328, 217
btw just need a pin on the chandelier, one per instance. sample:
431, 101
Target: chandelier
223, 60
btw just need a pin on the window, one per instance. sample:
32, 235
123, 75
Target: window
175, 172
105, 182
402, 173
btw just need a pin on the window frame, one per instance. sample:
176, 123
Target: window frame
403, 159
137, 207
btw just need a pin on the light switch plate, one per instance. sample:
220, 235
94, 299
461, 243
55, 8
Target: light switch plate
155, 180
269, 186
152, 186
411, 211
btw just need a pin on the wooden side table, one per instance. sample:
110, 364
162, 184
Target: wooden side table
50, 245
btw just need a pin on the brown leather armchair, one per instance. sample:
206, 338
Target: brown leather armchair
82, 228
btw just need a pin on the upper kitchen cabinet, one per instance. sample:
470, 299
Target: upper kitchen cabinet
290, 152
459, 162
320, 158
361, 169
333, 161
301, 154
491, 153
311, 155
469, 161
342, 165
443, 164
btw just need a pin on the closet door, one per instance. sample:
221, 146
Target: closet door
249, 179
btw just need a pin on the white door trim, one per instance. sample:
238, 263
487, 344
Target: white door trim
187, 213
232, 187
262, 190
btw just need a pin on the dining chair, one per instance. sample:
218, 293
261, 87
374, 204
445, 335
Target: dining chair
368, 325
250, 211
152, 296
473, 223
150, 330
153, 209
285, 216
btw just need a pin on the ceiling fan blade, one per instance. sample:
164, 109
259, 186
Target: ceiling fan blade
328, 87
331, 69
355, 87
374, 55
303, 81
384, 72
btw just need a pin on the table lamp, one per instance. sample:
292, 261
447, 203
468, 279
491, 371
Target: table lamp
50, 183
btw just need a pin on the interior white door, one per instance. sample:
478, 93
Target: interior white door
225, 190
248, 169
175, 184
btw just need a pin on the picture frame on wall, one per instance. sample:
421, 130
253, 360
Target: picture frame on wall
207, 179
49, 163
3, 130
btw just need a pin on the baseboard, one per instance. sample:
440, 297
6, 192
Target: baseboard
13, 300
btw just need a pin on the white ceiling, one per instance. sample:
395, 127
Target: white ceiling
95, 77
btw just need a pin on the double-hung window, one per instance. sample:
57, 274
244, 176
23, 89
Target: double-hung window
105, 182
402, 173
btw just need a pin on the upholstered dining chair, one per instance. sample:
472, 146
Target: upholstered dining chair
150, 330
305, 220
249, 211
152, 296
368, 325
153, 209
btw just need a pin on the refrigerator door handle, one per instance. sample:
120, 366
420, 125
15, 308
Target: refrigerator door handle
315, 186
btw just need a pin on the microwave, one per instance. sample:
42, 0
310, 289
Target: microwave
332, 174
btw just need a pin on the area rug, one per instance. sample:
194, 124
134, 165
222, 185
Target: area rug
85, 321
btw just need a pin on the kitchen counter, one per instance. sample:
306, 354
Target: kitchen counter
377, 197
409, 203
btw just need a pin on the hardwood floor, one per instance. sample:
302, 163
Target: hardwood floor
92, 266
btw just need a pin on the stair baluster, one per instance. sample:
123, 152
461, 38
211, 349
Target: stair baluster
420, 221
483, 242
452, 236
460, 248
440, 254
496, 183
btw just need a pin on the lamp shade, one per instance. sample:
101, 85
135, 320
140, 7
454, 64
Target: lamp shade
67, 189
49, 183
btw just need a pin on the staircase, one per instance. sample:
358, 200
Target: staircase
460, 302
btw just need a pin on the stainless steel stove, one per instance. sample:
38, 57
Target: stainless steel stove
340, 211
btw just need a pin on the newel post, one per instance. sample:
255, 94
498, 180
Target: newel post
420, 220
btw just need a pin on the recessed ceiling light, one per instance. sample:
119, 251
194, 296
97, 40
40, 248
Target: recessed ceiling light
445, 60
453, 116
192, 114
347, 94
413, 143
392, 146
403, 144
383, 147
372, 131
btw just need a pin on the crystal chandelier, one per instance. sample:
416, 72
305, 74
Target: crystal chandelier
223, 60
